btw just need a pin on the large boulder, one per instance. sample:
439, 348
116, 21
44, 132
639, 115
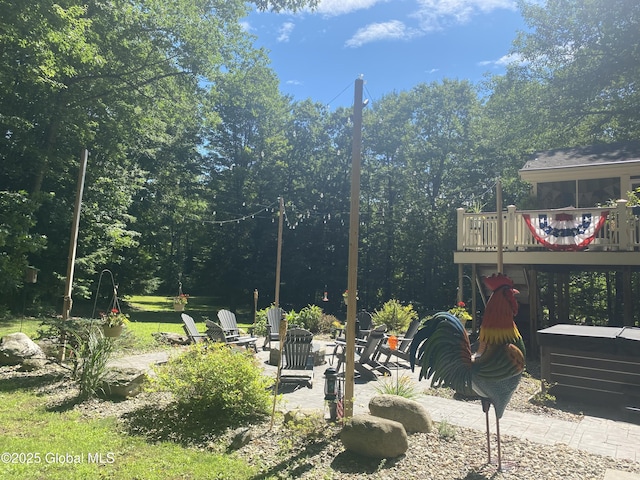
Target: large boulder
374, 437
19, 349
412, 415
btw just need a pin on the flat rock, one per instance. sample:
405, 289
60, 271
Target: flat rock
124, 382
171, 338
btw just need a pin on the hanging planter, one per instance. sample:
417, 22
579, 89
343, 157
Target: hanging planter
112, 332
113, 322
345, 297
180, 301
178, 307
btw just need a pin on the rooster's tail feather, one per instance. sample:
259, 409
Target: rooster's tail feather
442, 348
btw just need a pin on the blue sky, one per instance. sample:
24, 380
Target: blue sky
394, 44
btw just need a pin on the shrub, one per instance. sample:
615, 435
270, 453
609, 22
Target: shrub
217, 381
260, 327
395, 316
310, 316
327, 322
293, 318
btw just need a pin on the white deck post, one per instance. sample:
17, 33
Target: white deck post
623, 223
460, 233
511, 228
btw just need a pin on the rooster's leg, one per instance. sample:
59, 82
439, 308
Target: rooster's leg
485, 408
498, 437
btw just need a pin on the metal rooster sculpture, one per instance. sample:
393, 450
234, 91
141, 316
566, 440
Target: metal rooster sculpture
493, 372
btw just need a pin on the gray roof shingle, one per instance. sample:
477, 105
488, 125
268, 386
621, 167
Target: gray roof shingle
585, 156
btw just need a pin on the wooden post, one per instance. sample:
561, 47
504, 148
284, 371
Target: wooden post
474, 293
499, 226
255, 306
279, 254
352, 274
73, 244
282, 332
627, 297
533, 311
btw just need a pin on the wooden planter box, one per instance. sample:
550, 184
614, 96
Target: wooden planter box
592, 364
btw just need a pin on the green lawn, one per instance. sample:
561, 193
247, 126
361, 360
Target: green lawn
148, 314
39, 442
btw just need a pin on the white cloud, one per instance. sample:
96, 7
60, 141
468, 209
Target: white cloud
293, 82
285, 31
432, 15
436, 14
246, 26
341, 7
392, 30
503, 61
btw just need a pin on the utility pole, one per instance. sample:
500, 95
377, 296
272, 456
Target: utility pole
499, 226
354, 222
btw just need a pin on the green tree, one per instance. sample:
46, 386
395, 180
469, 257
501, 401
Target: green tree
124, 80
586, 56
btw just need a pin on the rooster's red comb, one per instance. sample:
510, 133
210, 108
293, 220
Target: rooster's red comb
496, 281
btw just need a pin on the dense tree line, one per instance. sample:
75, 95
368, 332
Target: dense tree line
192, 144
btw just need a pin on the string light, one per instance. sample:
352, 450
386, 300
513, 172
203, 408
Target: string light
291, 216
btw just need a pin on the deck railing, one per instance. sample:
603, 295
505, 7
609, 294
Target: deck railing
479, 231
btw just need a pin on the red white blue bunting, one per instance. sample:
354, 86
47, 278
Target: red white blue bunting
564, 231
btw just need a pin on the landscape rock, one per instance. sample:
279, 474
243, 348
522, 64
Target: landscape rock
171, 338
124, 382
300, 415
241, 437
374, 437
411, 414
19, 349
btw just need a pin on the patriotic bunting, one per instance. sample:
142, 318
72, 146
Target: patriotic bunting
564, 231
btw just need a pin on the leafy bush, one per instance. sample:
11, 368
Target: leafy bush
217, 381
327, 322
260, 327
310, 316
395, 316
293, 318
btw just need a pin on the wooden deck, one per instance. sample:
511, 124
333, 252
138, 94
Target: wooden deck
616, 243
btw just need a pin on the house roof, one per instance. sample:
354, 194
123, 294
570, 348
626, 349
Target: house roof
592, 155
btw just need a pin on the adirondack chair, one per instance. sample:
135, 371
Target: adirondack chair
404, 342
232, 332
274, 317
217, 334
364, 325
189, 327
298, 363
366, 364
